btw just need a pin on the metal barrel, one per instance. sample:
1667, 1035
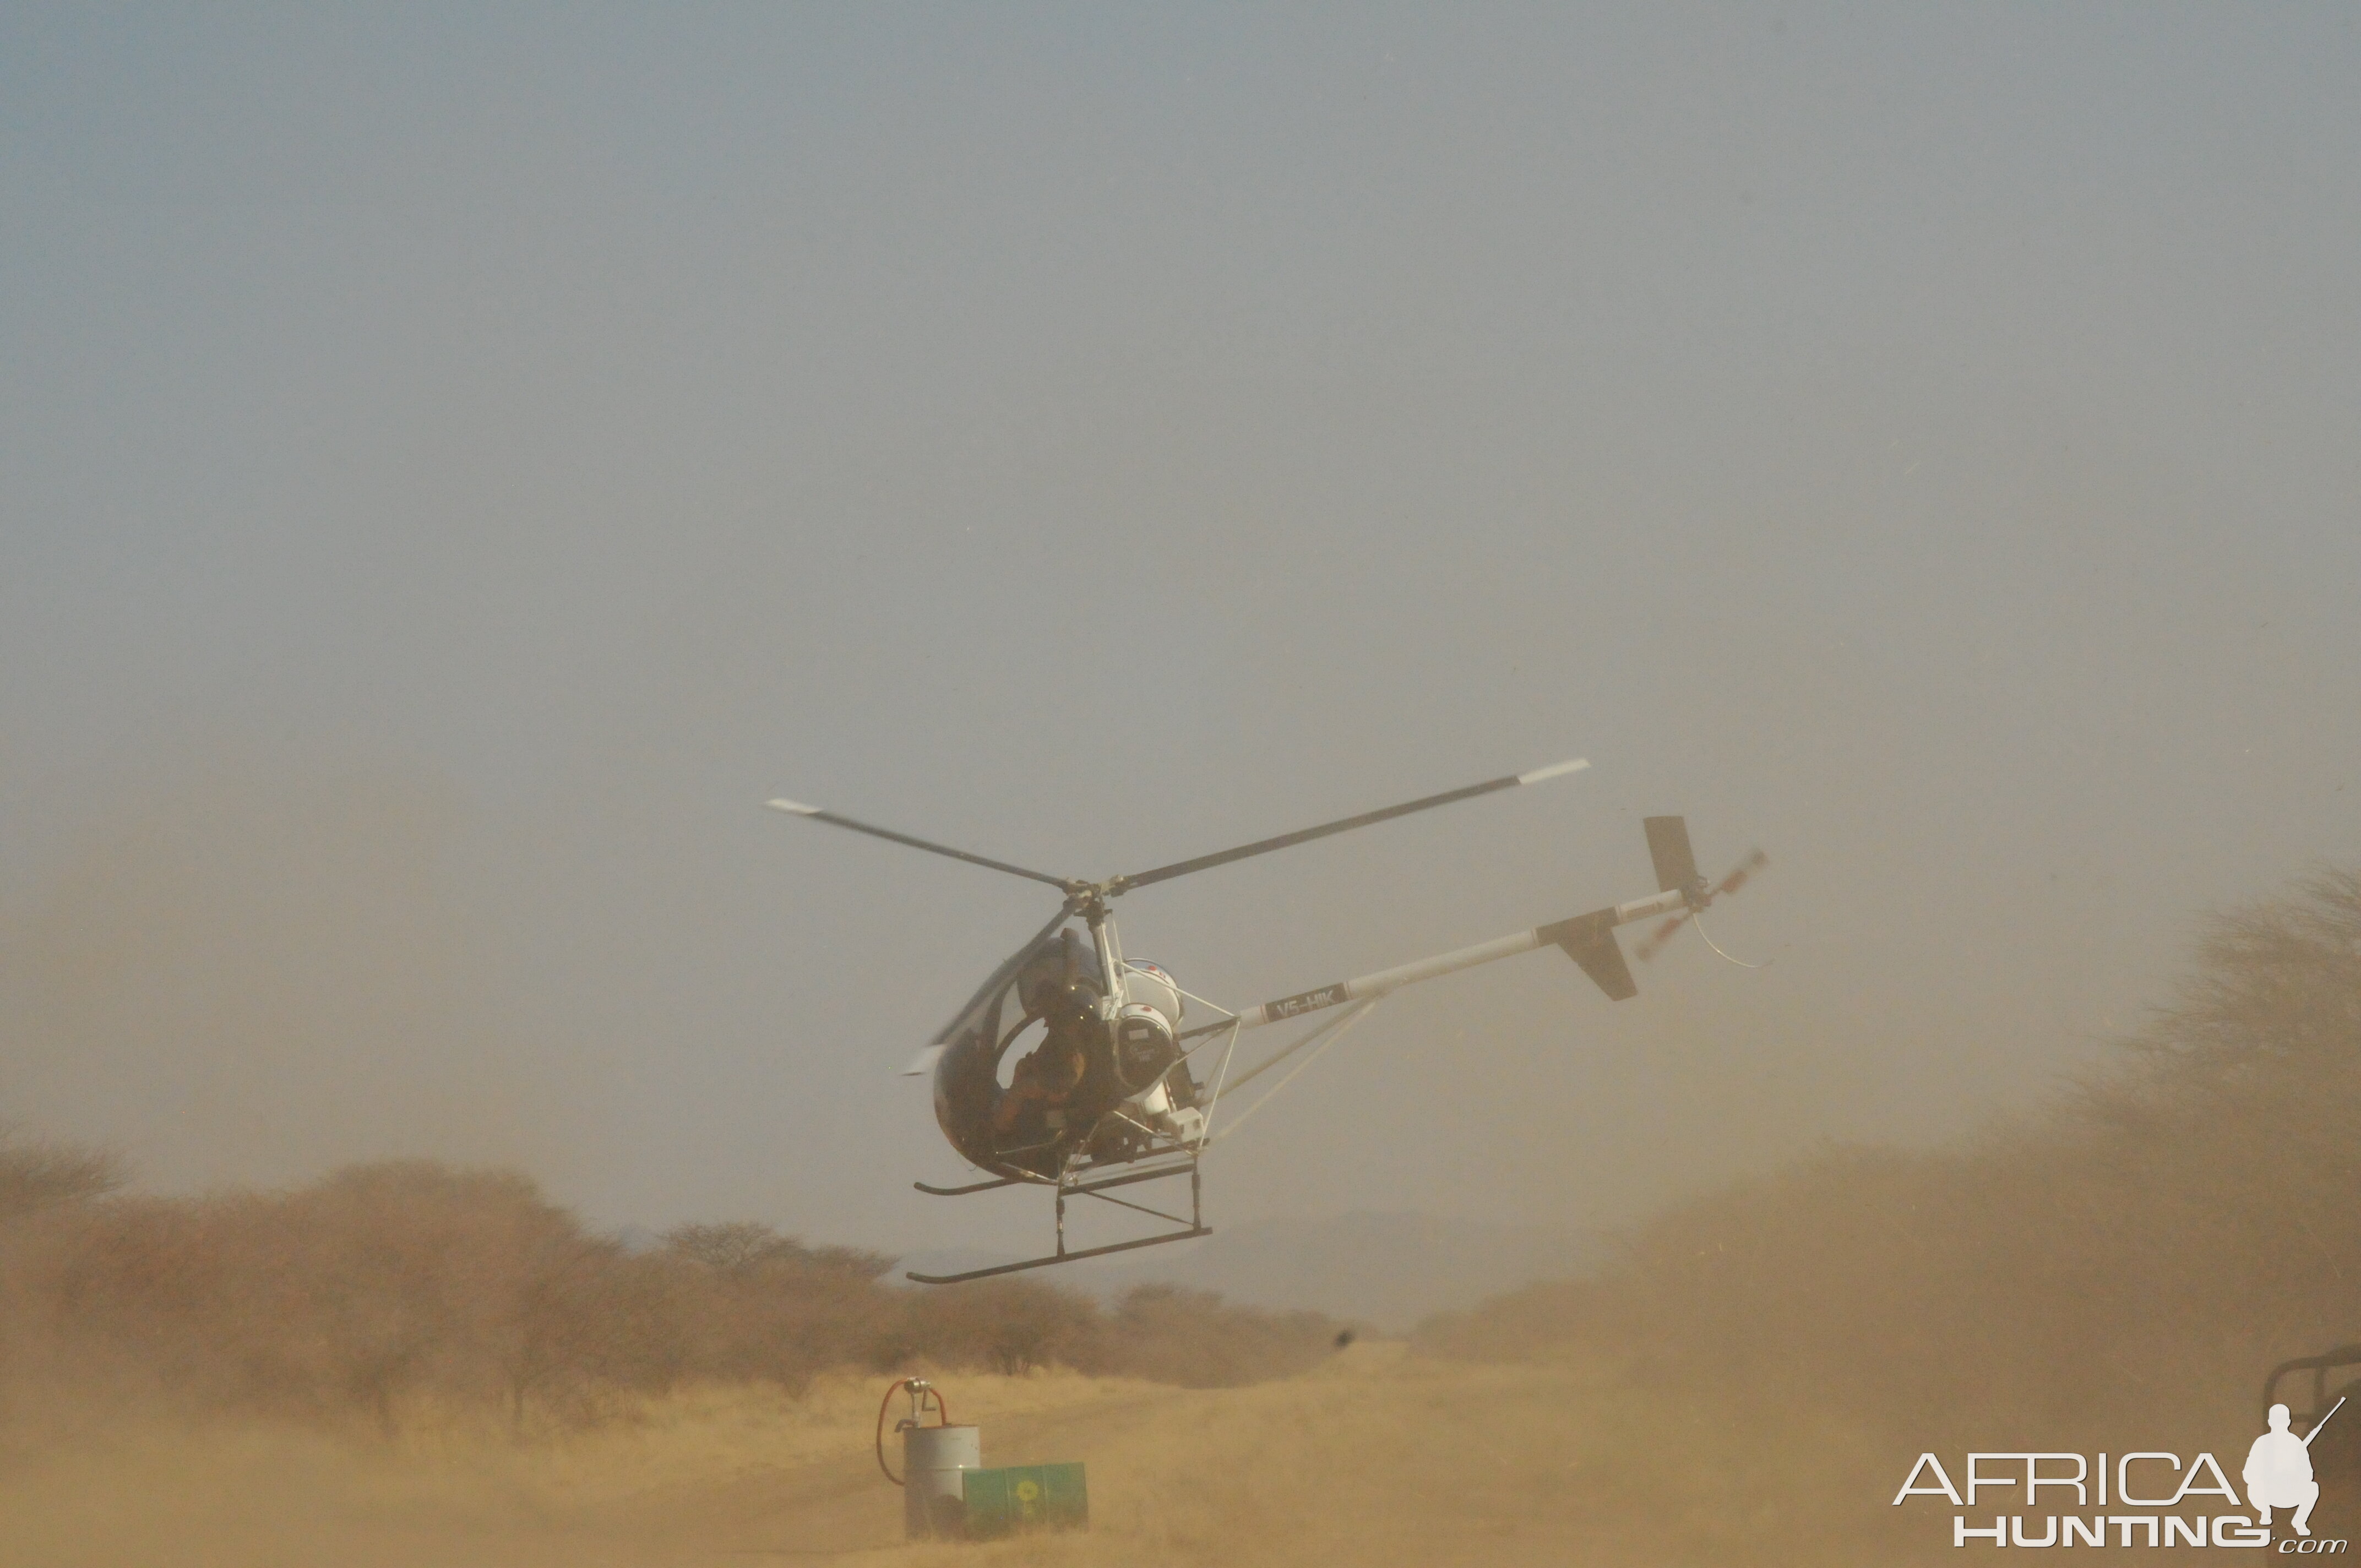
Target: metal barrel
934, 1496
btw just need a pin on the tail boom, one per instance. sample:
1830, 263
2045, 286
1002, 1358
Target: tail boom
1588, 939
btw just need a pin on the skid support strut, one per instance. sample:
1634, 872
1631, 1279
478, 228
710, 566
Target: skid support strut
1193, 1226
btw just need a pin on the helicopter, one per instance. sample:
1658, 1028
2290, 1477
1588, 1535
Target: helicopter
1106, 1088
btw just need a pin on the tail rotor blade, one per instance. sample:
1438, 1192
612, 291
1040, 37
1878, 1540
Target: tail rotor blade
1654, 942
1754, 861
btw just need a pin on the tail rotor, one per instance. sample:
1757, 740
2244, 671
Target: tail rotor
1655, 941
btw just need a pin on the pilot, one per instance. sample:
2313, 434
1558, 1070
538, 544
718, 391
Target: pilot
1047, 1077
1050, 1073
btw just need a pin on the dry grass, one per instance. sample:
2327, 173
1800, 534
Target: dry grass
1376, 1458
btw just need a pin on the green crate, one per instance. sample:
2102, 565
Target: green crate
1023, 1497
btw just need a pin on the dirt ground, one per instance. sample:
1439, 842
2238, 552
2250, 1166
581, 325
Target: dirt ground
1376, 1458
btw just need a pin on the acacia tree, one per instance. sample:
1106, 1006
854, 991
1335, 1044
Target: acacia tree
35, 1176
767, 1307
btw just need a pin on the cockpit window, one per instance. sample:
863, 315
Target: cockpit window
991, 1000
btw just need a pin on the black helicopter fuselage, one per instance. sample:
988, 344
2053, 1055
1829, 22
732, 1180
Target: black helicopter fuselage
1050, 1070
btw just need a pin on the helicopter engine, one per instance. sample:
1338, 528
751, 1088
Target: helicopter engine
1146, 1034
1144, 1044
1147, 1054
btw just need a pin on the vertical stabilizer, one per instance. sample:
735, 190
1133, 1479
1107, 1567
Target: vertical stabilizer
1668, 846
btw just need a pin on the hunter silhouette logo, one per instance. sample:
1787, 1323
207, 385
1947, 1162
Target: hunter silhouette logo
2279, 1470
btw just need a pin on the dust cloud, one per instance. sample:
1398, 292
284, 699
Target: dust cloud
251, 965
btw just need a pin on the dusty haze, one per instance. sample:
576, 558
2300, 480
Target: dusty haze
456, 467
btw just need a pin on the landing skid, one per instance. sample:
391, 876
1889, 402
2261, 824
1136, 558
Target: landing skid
1188, 1234
1193, 1226
978, 1187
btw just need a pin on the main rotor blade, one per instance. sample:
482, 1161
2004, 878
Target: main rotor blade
1304, 835
798, 808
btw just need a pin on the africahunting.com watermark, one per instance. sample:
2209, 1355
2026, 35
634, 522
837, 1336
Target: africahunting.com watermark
2144, 1499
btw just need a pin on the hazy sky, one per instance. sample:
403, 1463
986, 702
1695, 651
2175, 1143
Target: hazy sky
455, 464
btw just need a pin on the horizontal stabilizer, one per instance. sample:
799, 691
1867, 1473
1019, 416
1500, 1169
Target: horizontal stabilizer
1668, 846
1590, 940
924, 1062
